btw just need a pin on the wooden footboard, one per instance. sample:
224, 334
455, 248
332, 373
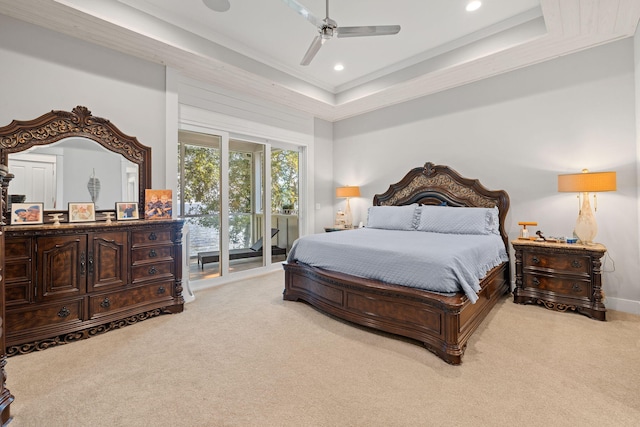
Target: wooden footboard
443, 324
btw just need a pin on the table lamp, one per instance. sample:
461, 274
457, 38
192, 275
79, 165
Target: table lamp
583, 184
348, 192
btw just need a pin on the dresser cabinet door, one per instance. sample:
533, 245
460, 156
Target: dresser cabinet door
62, 266
107, 260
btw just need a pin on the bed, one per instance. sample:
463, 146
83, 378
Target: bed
443, 322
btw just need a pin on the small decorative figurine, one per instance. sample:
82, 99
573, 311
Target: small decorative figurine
56, 218
108, 216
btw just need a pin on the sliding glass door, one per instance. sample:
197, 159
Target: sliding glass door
285, 199
199, 198
234, 223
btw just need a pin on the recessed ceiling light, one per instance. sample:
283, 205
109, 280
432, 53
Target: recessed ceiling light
217, 5
338, 67
473, 5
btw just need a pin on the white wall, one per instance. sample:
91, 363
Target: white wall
42, 71
517, 132
324, 186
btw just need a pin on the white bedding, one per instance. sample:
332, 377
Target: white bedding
438, 262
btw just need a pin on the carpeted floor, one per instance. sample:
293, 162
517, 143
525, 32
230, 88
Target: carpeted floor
241, 356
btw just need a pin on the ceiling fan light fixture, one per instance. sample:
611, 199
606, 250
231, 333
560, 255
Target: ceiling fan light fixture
338, 67
473, 5
217, 5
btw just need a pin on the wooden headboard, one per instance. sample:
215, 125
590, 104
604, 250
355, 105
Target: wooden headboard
437, 185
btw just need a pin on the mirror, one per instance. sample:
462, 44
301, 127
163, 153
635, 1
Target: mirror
64, 157
73, 170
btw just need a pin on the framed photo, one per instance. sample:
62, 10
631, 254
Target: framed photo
157, 204
126, 211
82, 212
27, 213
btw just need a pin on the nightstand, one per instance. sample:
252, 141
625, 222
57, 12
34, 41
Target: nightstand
560, 276
330, 229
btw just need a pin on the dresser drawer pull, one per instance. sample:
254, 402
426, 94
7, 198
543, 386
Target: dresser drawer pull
161, 290
153, 236
64, 312
153, 253
105, 303
576, 287
535, 259
90, 262
576, 264
536, 282
153, 270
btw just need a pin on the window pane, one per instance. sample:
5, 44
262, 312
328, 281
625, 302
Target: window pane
284, 200
199, 200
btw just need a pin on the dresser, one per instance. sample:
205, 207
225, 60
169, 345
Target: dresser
6, 398
73, 281
559, 276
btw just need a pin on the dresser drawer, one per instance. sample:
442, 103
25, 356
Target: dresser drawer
105, 304
17, 248
567, 286
560, 262
152, 237
153, 254
17, 271
18, 293
43, 315
154, 271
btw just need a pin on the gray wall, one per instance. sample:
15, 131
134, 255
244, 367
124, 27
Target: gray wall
517, 132
324, 186
43, 71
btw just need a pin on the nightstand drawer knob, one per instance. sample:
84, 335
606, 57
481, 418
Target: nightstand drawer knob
536, 281
576, 264
576, 288
535, 259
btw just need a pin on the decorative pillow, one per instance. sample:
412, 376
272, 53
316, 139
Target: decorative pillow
461, 220
393, 217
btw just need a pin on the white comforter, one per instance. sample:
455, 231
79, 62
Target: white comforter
437, 262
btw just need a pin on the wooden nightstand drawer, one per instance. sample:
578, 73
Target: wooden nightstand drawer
559, 262
563, 286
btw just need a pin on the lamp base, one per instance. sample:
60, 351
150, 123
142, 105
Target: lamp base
348, 223
586, 226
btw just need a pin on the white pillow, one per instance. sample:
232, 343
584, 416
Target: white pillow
459, 220
393, 217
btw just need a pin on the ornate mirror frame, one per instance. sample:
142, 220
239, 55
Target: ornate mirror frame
56, 125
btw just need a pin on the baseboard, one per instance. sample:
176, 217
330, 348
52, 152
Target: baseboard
625, 305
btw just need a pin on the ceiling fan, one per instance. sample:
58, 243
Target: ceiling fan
328, 28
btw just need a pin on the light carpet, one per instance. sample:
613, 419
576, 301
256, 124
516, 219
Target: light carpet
241, 356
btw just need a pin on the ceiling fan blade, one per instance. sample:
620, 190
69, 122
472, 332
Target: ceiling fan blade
374, 30
304, 12
316, 44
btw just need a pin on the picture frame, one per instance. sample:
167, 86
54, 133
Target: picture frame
27, 213
157, 204
126, 211
82, 212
